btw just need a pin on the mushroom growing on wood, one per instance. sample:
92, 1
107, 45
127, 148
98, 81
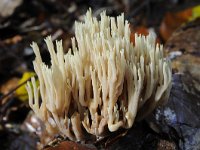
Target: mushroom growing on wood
103, 83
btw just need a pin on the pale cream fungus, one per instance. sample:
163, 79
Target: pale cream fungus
103, 82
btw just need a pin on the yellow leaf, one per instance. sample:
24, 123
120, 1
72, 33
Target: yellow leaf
195, 12
21, 92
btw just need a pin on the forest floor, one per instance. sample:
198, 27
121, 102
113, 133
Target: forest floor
176, 25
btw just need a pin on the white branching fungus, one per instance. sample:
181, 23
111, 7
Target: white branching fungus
102, 83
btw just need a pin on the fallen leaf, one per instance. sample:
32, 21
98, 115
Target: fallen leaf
172, 21
7, 87
13, 40
7, 7
69, 145
21, 92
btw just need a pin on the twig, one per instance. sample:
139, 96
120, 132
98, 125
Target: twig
14, 89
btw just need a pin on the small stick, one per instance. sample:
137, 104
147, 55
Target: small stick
13, 90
